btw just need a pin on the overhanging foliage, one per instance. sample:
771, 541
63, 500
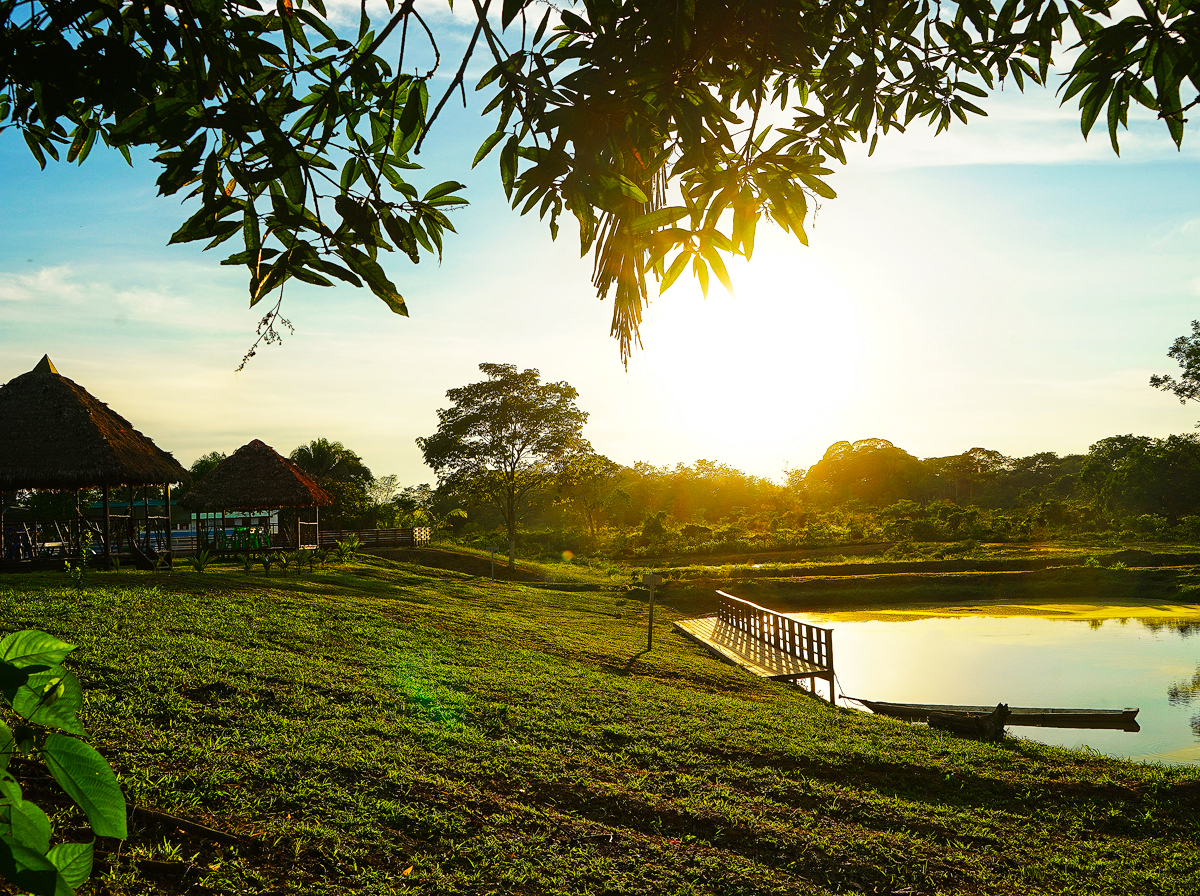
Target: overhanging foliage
650, 123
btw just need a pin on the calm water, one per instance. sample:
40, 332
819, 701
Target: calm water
1151, 663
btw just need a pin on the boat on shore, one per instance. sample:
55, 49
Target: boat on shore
1041, 717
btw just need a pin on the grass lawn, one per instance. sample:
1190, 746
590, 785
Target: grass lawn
380, 728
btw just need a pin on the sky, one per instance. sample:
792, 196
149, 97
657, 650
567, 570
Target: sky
1006, 285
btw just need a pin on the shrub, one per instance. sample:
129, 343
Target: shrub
200, 560
45, 697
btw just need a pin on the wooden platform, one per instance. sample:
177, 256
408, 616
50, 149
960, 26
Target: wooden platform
752, 654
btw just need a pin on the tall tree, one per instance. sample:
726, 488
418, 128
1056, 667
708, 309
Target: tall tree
650, 123
204, 465
873, 471
342, 473
506, 438
588, 484
331, 460
1186, 351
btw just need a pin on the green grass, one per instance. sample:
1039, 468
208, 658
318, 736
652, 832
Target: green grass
354, 723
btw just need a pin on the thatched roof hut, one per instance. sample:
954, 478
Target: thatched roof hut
55, 435
255, 477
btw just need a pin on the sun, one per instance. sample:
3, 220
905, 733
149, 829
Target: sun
782, 359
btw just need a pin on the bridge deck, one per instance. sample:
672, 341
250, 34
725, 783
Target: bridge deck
752, 654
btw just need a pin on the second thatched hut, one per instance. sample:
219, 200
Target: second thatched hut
255, 500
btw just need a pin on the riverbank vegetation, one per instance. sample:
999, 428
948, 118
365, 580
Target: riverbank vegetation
380, 727
869, 497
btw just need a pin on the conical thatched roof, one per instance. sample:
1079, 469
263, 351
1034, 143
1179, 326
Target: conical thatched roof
54, 434
255, 477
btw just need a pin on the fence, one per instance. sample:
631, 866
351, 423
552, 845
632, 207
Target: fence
809, 644
378, 538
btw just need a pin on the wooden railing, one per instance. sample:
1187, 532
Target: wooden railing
808, 643
378, 538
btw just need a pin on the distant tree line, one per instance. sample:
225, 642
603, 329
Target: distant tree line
1126, 487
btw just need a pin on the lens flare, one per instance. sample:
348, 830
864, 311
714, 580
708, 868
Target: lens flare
568, 556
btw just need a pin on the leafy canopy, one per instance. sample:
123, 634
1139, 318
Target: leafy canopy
505, 438
1186, 351
668, 131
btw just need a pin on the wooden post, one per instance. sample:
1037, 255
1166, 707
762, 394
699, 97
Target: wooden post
170, 526
129, 527
650, 580
832, 679
107, 528
146, 508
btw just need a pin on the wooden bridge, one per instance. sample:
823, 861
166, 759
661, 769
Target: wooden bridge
765, 643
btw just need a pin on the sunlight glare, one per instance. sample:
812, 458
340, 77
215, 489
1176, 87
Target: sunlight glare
778, 363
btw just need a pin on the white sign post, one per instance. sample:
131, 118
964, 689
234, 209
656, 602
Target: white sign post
650, 580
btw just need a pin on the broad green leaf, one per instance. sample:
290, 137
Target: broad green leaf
51, 699
9, 788
29, 647
88, 780
8, 746
11, 679
28, 825
31, 871
73, 861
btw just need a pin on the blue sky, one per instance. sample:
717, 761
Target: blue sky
1005, 285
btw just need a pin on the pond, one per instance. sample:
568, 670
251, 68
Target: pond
1055, 656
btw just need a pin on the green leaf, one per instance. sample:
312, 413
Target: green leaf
445, 188
51, 698
88, 780
625, 186
718, 266
817, 185
29, 647
8, 746
487, 146
511, 8
28, 825
73, 861
677, 267
369, 269
29, 870
662, 217
11, 679
412, 119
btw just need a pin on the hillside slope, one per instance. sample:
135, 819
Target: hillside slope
375, 729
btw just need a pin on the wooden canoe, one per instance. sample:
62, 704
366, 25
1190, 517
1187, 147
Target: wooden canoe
1041, 717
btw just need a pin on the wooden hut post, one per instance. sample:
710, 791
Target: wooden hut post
146, 508
107, 527
130, 532
167, 498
